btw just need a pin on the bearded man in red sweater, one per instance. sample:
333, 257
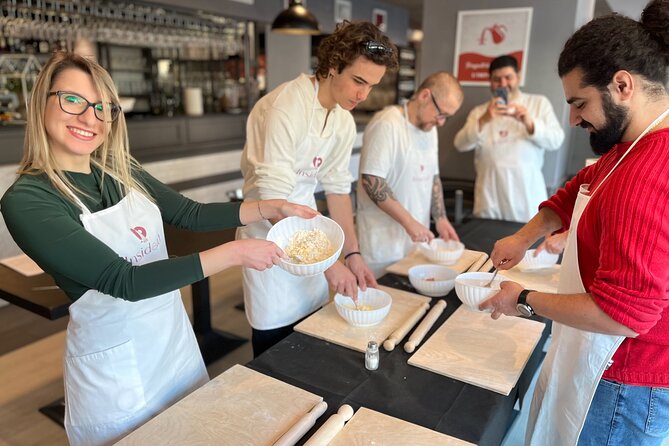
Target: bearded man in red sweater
605, 379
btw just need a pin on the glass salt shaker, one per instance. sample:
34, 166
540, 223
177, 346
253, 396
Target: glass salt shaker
372, 356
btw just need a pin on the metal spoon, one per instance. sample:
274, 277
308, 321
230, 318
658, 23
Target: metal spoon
489, 284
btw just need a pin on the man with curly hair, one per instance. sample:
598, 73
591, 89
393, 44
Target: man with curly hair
298, 135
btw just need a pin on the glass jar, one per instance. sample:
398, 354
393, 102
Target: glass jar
372, 356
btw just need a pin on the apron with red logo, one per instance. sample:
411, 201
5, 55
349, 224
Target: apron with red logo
274, 298
126, 361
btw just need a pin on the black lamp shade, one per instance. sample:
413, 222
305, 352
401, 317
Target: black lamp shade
296, 19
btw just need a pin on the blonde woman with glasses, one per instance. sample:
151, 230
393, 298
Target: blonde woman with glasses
92, 218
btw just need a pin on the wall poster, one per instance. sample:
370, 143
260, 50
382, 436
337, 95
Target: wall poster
484, 34
380, 19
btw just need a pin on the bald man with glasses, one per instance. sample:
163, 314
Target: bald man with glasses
400, 187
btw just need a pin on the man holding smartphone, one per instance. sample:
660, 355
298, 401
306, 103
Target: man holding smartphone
510, 134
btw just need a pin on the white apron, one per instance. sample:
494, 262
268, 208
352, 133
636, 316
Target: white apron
576, 359
382, 240
126, 361
509, 181
274, 298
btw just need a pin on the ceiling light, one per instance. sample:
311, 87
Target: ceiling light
296, 19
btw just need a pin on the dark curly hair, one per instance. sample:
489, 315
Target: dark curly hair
348, 42
615, 42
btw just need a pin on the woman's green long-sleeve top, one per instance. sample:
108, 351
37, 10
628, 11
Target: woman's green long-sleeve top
46, 226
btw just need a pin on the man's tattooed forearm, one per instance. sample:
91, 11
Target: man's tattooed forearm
438, 208
377, 189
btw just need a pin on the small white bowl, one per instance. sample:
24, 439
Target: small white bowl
471, 290
543, 260
442, 251
378, 300
432, 280
281, 233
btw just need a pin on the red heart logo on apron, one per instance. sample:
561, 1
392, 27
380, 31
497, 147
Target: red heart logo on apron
317, 161
503, 133
139, 232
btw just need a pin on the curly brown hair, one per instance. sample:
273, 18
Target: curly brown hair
349, 41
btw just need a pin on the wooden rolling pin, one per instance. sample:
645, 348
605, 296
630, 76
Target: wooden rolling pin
295, 433
424, 326
397, 335
482, 264
331, 427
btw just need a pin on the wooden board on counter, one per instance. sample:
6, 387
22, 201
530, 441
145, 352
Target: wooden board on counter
473, 348
326, 323
240, 406
370, 427
466, 261
545, 280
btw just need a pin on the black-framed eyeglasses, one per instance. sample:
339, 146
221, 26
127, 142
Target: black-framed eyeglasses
75, 104
440, 114
374, 47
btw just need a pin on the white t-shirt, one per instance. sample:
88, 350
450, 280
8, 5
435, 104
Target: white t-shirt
408, 159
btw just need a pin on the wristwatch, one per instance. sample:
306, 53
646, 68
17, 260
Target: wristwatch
522, 306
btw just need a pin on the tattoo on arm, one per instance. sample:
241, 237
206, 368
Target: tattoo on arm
438, 208
377, 188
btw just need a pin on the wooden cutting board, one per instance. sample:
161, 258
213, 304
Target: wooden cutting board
368, 427
240, 406
465, 262
474, 348
326, 323
545, 280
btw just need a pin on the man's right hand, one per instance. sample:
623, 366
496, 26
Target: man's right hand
418, 232
509, 251
342, 280
493, 110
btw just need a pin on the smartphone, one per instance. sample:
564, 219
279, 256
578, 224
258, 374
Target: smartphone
502, 95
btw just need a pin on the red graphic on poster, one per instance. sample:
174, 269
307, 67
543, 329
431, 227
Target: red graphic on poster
497, 32
483, 35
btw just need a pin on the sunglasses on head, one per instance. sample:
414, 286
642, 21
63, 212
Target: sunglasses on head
374, 47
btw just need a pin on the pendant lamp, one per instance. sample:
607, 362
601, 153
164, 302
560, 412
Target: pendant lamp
296, 19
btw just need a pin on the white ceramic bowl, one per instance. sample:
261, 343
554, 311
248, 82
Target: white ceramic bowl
543, 260
379, 302
281, 233
470, 290
442, 251
432, 280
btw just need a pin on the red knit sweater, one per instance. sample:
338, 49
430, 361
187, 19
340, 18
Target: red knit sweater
623, 252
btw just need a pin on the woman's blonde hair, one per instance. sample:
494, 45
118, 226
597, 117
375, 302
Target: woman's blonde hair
112, 157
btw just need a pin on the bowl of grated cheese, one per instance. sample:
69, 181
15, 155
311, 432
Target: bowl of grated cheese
371, 308
312, 244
